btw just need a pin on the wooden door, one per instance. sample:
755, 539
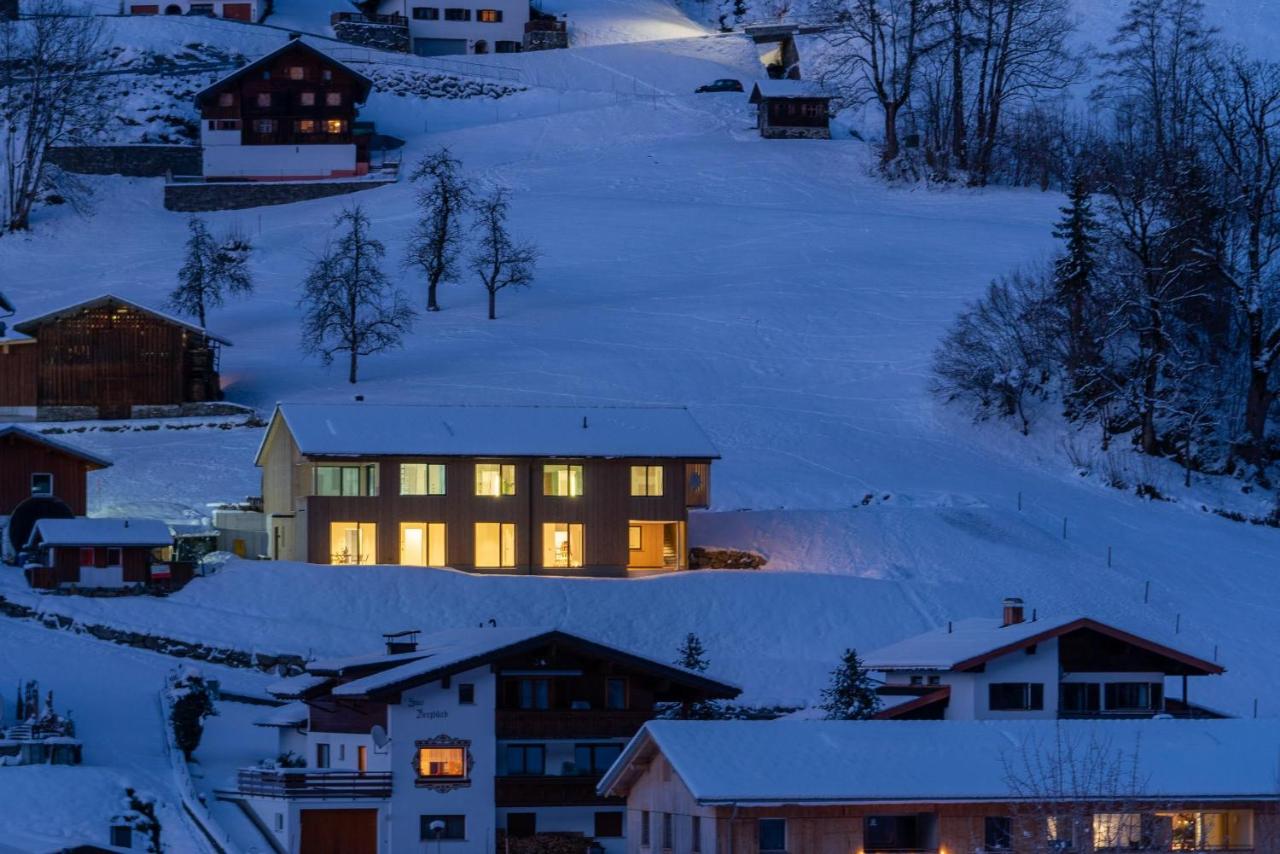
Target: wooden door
339, 832
236, 11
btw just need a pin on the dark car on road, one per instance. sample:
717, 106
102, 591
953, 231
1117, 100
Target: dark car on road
725, 85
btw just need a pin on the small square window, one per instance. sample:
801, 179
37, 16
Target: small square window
917, 680
226, 99
307, 99
773, 835
306, 126
935, 680
334, 126
42, 483
264, 99
326, 75
333, 99
466, 694
113, 557
489, 16
122, 836
297, 72
265, 126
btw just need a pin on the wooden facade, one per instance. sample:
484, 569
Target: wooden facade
25, 456
105, 358
294, 96
787, 109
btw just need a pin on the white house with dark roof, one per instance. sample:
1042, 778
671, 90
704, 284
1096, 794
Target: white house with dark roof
1042, 667
554, 490
459, 740
988, 787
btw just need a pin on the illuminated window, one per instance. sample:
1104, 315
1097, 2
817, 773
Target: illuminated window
495, 479
305, 126
346, 480
264, 99
42, 483
226, 99
353, 543
1210, 831
422, 544
442, 763
1060, 832
562, 480
562, 544
495, 544
489, 16
422, 479
646, 480
635, 539
307, 99
333, 99
334, 125
297, 72
1121, 831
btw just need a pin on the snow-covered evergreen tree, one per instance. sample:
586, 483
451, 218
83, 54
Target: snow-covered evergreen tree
852, 695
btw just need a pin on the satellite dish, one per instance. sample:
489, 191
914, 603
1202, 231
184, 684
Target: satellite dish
379, 736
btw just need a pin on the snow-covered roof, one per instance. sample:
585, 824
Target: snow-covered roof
797, 762
966, 643
347, 664
100, 532
285, 717
296, 687
369, 429
455, 650
65, 447
787, 89
29, 326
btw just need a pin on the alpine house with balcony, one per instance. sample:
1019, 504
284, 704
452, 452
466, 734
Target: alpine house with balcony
1015, 668
549, 490
463, 739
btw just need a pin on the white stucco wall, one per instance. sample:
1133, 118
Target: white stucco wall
514, 16
277, 161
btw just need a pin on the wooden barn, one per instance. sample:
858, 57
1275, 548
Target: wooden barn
107, 358
103, 553
791, 109
35, 465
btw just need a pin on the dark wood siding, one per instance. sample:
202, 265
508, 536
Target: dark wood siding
604, 509
358, 716
20, 458
18, 373
796, 112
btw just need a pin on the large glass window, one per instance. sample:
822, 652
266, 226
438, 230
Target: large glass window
495, 544
442, 762
1134, 696
1079, 697
997, 832
422, 544
346, 480
533, 693
646, 480
526, 759
1015, 696
1223, 830
562, 544
495, 479
353, 542
1118, 831
422, 479
564, 481
773, 835
1060, 832
595, 758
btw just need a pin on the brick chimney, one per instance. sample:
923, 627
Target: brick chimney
1013, 611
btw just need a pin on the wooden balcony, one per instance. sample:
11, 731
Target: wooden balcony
313, 784
567, 723
550, 791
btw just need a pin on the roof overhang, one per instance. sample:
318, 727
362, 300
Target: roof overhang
29, 326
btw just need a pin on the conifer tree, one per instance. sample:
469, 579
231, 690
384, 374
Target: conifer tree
1073, 288
852, 695
212, 268
692, 655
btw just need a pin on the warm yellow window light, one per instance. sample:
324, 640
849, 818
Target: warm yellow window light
442, 762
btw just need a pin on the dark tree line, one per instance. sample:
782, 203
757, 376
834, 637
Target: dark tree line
1160, 318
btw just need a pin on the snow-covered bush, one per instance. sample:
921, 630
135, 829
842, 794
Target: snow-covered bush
192, 702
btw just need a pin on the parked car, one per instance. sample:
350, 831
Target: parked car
725, 85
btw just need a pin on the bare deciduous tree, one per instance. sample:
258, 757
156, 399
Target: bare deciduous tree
349, 305
499, 261
211, 269
51, 67
436, 239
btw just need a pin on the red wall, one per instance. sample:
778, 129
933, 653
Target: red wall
21, 457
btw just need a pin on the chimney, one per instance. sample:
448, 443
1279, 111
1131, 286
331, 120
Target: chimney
1013, 612
293, 37
359, 398
584, 422
398, 642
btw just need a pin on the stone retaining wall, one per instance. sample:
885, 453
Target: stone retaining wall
237, 196
380, 36
135, 161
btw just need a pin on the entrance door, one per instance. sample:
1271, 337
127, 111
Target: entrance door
439, 47
237, 11
339, 832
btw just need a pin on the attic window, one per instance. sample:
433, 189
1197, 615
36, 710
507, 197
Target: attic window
326, 75
333, 99
226, 99
297, 72
264, 99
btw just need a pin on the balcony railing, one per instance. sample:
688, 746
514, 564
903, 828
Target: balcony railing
570, 723
549, 791
319, 784
542, 25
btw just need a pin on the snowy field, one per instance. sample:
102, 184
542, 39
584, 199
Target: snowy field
790, 300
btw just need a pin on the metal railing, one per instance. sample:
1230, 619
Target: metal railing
313, 783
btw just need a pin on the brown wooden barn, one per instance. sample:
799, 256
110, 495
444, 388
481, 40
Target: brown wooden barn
107, 358
791, 109
33, 464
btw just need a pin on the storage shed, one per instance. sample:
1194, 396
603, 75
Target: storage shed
791, 109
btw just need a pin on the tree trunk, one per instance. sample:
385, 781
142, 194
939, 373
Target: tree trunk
957, 84
493, 305
891, 148
351, 374
1258, 400
432, 305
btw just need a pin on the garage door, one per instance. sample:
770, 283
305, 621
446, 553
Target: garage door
236, 11
439, 47
144, 10
339, 832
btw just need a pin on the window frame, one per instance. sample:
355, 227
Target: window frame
466, 694
592, 749
429, 470
608, 693
506, 486
324, 755
366, 480
457, 14
489, 16
551, 480
524, 750
1032, 693
760, 835
506, 550
262, 100
652, 479
635, 538
429, 13
462, 747
997, 826
573, 532
115, 557
646, 829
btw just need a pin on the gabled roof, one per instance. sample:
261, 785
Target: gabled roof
373, 429
364, 83
966, 644
864, 762
787, 89
30, 435
100, 532
299, 687
458, 650
29, 326
288, 716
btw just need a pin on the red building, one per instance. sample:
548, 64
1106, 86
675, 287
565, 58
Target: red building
102, 553
32, 464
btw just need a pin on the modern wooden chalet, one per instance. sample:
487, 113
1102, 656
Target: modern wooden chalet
290, 115
466, 738
791, 109
35, 465
509, 489
943, 787
102, 553
1014, 668
107, 357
